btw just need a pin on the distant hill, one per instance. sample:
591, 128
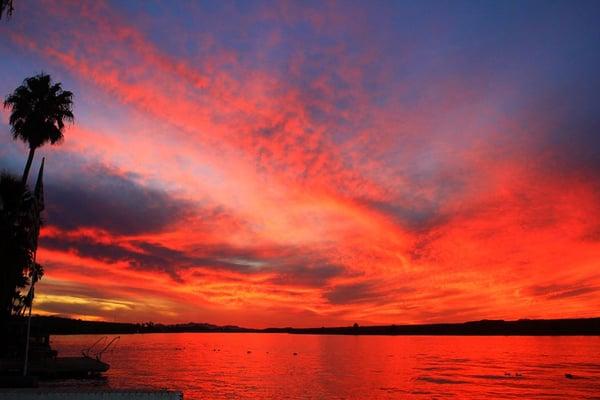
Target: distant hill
525, 327
66, 326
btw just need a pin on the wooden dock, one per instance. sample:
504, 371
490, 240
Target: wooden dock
88, 394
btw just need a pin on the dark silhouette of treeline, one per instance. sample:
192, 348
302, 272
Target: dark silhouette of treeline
67, 326
524, 327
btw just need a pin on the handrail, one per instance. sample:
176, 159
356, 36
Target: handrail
86, 352
114, 340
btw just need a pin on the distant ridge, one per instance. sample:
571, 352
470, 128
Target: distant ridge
522, 327
525, 327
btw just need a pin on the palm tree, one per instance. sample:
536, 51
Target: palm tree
6, 8
16, 247
39, 111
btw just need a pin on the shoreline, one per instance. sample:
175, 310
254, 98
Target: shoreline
524, 327
89, 394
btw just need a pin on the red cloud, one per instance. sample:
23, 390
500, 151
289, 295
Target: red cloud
304, 194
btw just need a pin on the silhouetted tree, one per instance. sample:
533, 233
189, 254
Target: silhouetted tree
17, 223
39, 110
6, 8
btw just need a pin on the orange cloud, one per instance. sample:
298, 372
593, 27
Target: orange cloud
328, 193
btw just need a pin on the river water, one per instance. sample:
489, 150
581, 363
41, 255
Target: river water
282, 366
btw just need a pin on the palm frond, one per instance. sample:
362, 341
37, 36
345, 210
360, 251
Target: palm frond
6, 8
39, 110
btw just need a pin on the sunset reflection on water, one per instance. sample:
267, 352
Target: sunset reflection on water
259, 366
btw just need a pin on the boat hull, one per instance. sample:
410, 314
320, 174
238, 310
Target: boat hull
57, 367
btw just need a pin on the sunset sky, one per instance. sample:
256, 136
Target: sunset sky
316, 163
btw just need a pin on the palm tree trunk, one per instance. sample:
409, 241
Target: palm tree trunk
28, 165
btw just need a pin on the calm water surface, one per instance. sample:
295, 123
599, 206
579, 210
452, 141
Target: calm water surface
268, 366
